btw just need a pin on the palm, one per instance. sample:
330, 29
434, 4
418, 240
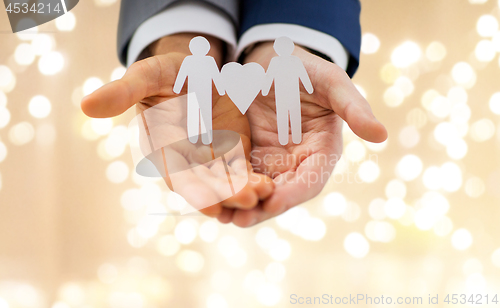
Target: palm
320, 135
150, 82
301, 170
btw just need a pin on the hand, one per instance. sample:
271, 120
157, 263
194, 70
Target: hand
301, 171
150, 82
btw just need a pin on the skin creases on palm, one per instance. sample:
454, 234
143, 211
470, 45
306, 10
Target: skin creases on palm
303, 167
300, 171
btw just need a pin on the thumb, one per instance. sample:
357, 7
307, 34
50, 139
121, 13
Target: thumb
336, 87
143, 79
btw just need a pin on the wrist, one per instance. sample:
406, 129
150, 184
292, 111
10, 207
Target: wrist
258, 52
262, 52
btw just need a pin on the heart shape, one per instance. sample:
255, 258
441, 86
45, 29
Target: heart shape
242, 83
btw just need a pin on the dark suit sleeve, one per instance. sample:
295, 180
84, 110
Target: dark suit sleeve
338, 18
134, 12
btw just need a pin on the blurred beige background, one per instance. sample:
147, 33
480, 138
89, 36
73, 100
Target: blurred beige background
417, 215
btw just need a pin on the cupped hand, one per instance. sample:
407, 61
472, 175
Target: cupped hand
300, 171
148, 83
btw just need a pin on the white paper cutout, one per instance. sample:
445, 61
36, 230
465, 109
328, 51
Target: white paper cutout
242, 83
200, 70
287, 71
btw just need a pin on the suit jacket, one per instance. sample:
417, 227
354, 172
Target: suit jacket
338, 18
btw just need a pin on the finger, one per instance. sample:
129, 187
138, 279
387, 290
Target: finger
189, 181
246, 198
249, 218
258, 187
220, 185
262, 184
293, 188
226, 216
212, 211
337, 91
143, 79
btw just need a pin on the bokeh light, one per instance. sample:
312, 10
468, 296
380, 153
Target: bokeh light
368, 171
485, 51
406, 54
495, 258
376, 209
215, 300
495, 103
117, 172
101, 126
275, 272
335, 204
118, 73
389, 73
395, 208
395, 189
91, 84
435, 52
186, 231
4, 117
380, 231
355, 151
268, 294
409, 167
461, 239
356, 245
104, 2
21, 133
451, 175
42, 44
51, 63
7, 79
107, 273
30, 33
3, 151
475, 187
482, 130
190, 261
281, 250
409, 136
168, 245
24, 54
394, 96
39, 107
487, 25
66, 22
463, 74
209, 230
369, 43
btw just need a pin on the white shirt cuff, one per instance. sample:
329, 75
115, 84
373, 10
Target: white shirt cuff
301, 35
185, 16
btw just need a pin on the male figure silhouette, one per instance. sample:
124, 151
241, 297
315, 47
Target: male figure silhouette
200, 70
286, 71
